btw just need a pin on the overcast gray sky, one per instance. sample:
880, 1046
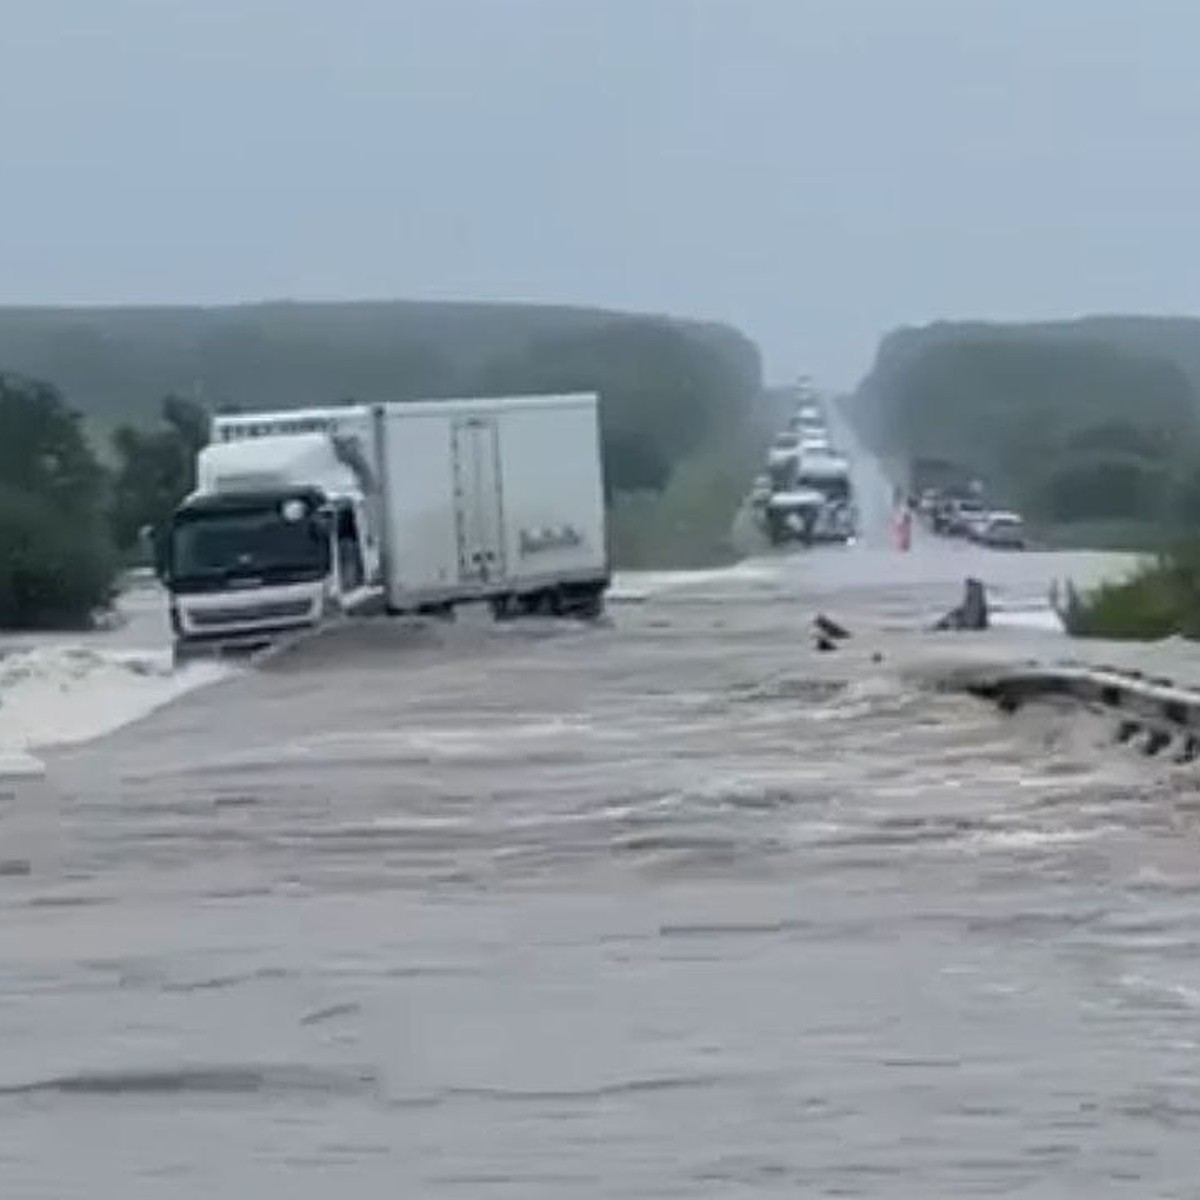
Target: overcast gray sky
815, 171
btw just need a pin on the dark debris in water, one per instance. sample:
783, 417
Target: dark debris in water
788, 687
329, 1013
210, 1080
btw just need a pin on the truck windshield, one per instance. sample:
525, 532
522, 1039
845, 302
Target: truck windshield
835, 488
211, 547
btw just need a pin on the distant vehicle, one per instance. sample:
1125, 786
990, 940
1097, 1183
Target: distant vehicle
1002, 530
946, 477
760, 491
812, 500
784, 447
960, 515
942, 515
782, 456
792, 515
808, 418
928, 501
973, 523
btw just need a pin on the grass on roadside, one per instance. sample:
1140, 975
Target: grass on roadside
1158, 599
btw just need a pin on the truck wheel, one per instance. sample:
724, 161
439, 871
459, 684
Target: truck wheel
504, 608
589, 605
526, 605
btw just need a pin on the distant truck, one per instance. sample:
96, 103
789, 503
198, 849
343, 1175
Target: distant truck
941, 475
299, 517
782, 456
791, 515
814, 502
827, 472
807, 419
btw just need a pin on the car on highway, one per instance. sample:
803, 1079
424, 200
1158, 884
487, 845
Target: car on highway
956, 516
786, 442
760, 491
1000, 530
973, 523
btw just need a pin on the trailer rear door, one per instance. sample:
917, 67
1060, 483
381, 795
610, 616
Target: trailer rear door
478, 498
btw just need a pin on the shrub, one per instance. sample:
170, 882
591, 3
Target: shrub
690, 523
1161, 597
56, 565
55, 572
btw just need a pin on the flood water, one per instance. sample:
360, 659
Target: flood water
678, 907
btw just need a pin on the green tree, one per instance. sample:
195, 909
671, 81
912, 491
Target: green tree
56, 564
43, 450
155, 468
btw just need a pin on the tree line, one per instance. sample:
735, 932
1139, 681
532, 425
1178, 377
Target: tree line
115, 363
1079, 435
674, 425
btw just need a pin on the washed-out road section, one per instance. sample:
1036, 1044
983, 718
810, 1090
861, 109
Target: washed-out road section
676, 906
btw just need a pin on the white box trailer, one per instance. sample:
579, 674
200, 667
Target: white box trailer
498, 499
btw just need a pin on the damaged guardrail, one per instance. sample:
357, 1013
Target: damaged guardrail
1152, 712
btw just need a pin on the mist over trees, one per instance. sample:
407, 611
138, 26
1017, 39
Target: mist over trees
1086, 427
77, 488
116, 363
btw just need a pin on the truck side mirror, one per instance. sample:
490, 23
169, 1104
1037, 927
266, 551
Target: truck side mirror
323, 521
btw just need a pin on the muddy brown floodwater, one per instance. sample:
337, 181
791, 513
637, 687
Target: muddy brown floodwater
677, 907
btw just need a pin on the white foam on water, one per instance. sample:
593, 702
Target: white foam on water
1005, 840
16, 764
640, 585
55, 695
1044, 618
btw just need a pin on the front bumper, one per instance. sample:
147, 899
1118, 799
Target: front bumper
244, 620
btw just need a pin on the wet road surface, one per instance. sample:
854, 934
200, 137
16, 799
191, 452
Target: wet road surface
678, 907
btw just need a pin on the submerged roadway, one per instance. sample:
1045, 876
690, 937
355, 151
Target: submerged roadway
673, 907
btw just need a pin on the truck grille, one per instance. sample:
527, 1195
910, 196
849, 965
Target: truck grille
278, 610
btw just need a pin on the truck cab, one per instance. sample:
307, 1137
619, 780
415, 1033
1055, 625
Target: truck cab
278, 535
828, 474
792, 515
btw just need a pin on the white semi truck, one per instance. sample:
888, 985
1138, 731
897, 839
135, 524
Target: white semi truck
301, 516
814, 503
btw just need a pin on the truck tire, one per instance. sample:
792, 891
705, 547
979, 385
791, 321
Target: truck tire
590, 604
